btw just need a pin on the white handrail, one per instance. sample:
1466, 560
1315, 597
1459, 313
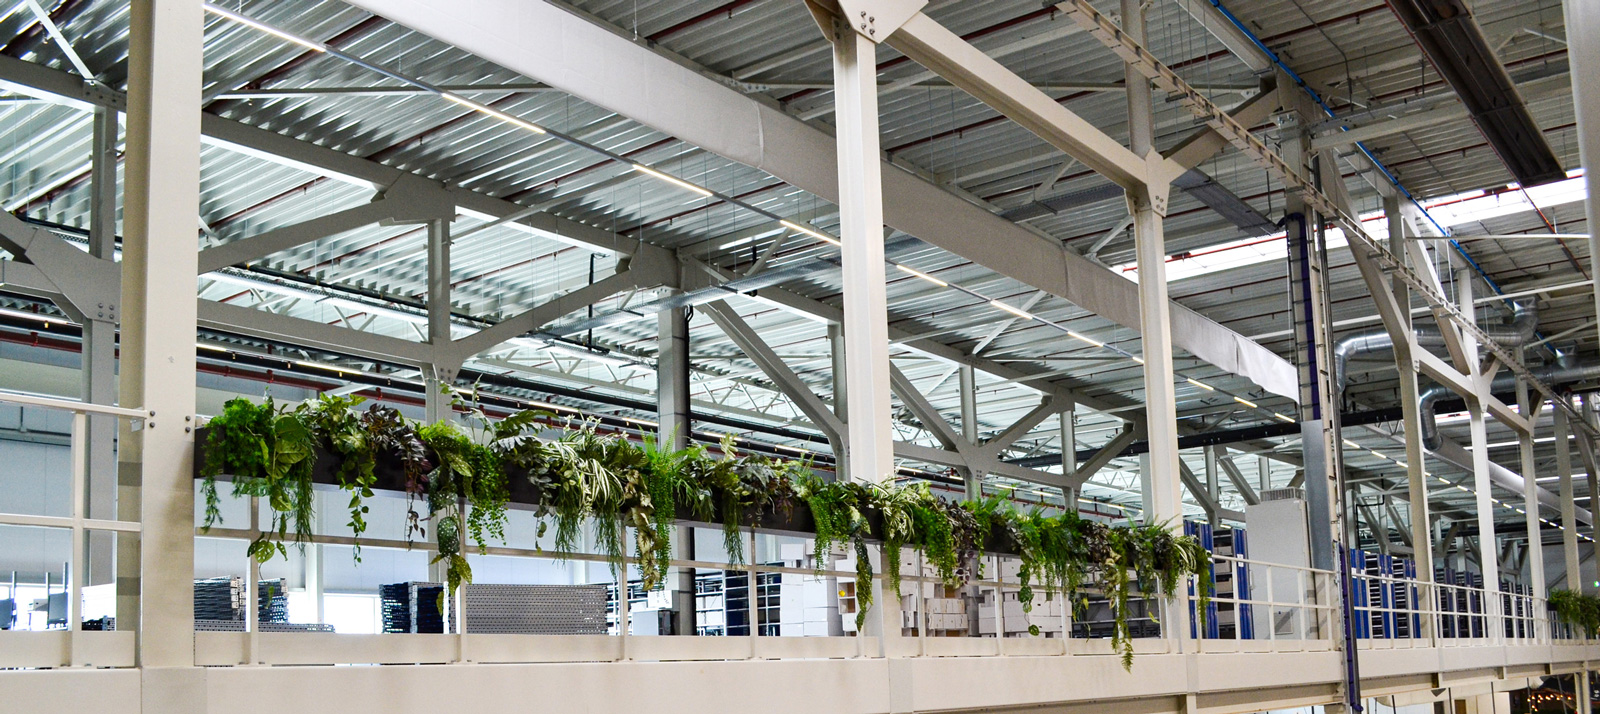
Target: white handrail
28, 399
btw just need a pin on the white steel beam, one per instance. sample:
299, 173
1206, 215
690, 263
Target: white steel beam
931, 419
162, 200
866, 303
312, 333
750, 342
1221, 27
410, 199
552, 45
457, 351
1235, 477
1103, 456
1205, 143
1021, 427
929, 44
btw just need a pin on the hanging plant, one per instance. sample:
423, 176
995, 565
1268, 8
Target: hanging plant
1577, 610
898, 506
341, 427
836, 509
583, 476
269, 453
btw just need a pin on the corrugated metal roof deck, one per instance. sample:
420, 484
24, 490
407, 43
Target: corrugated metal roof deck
1353, 51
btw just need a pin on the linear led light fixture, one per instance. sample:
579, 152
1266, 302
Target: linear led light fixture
1081, 338
1019, 312
919, 274
674, 180
482, 108
1200, 384
814, 233
261, 27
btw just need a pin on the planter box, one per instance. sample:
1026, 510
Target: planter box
391, 477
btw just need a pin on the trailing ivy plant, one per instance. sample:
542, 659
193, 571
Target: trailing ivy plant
270, 453
583, 476
836, 510
348, 437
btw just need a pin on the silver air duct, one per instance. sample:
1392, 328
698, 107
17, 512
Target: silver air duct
1515, 332
1571, 370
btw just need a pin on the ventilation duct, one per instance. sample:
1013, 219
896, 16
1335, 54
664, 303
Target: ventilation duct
1518, 330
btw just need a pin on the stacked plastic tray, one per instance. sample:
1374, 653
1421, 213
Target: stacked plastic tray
411, 607
395, 600
224, 599
214, 599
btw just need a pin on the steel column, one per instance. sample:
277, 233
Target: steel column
1530, 489
159, 257
672, 432
841, 397
99, 357
968, 384
438, 376
1162, 476
1411, 420
866, 321
1069, 458
1209, 454
1488, 544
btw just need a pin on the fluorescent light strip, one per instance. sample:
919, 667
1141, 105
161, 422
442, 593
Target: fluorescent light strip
1082, 338
1200, 384
814, 233
259, 27
1283, 418
1247, 402
491, 111
674, 180
1013, 310
917, 273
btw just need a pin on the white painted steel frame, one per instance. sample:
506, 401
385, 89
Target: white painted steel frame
159, 264
553, 45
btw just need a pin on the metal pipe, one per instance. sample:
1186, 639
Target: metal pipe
1563, 372
1515, 332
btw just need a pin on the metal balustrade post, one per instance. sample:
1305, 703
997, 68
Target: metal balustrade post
753, 595
252, 616
77, 565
